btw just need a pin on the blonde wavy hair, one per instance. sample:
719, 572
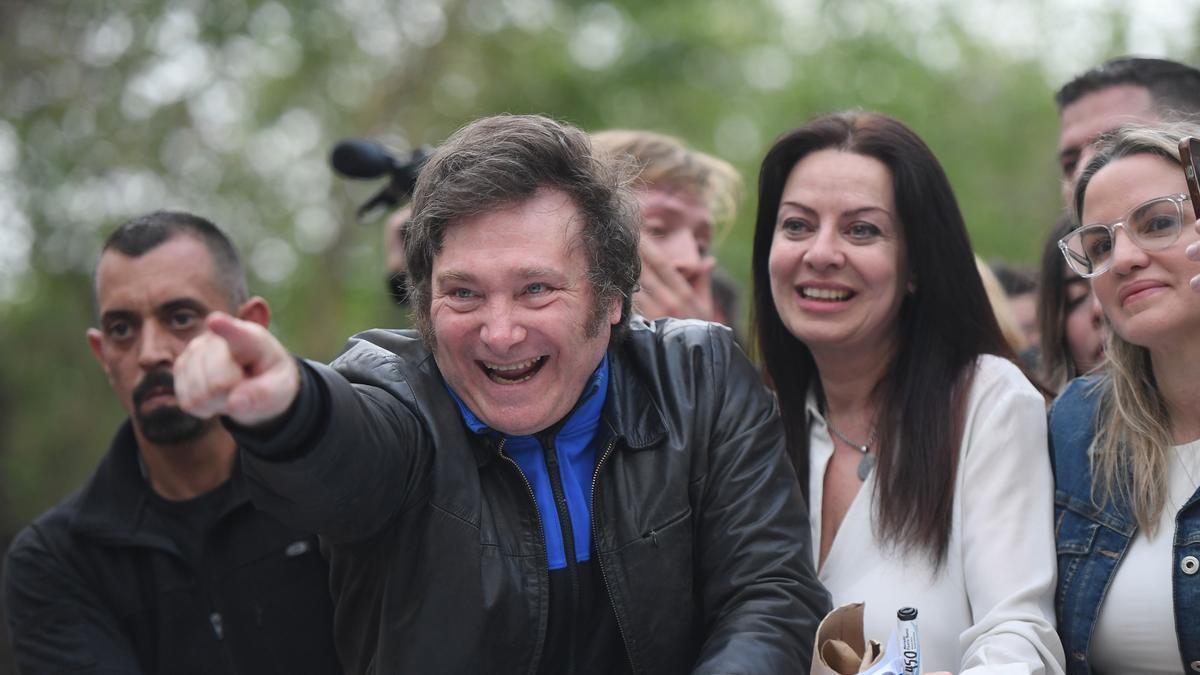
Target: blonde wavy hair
664, 161
1133, 428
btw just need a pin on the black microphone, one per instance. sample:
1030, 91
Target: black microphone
362, 159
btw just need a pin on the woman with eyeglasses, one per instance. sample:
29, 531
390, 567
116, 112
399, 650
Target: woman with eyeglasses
919, 445
1127, 439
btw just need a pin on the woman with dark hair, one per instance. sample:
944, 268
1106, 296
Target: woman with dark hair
920, 446
1127, 438
1072, 331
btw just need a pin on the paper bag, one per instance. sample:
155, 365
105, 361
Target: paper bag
841, 649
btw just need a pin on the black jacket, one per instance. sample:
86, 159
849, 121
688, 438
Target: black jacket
98, 585
437, 563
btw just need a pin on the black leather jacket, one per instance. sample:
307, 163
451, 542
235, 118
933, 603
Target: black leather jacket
97, 584
436, 560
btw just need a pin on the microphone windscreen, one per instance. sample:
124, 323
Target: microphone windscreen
358, 158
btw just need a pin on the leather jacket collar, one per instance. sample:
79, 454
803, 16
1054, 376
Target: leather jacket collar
632, 413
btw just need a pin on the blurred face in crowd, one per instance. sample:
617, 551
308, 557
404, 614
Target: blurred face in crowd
150, 307
1083, 323
838, 264
1094, 114
513, 313
393, 248
678, 224
1024, 307
1145, 294
677, 233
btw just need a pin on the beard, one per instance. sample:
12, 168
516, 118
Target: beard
167, 424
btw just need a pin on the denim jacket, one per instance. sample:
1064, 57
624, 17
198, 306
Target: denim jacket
1092, 539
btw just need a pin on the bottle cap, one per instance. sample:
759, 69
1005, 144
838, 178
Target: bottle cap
907, 613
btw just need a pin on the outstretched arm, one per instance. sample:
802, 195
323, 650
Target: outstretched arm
236, 369
761, 597
323, 454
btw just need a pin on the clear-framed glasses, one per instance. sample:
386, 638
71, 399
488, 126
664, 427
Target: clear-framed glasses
1153, 226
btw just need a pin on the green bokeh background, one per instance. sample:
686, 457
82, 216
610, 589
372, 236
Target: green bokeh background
229, 109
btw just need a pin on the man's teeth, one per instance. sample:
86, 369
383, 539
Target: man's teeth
511, 367
824, 293
513, 373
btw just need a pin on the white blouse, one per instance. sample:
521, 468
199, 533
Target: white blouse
1135, 629
989, 609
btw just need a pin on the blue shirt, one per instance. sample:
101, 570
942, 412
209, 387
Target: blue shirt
575, 454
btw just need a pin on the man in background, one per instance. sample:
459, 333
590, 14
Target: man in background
1125, 90
1122, 91
1020, 287
393, 250
686, 198
161, 564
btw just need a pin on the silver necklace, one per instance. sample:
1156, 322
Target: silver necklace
1192, 482
868, 460
1183, 465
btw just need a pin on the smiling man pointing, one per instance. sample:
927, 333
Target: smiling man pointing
534, 482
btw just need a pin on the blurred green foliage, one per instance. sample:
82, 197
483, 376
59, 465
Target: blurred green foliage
228, 109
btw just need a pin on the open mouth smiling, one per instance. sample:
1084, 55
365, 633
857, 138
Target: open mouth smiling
513, 373
825, 294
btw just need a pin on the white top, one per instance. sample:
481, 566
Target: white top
989, 610
1135, 630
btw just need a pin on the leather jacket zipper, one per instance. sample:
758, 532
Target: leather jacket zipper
600, 559
567, 531
545, 566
